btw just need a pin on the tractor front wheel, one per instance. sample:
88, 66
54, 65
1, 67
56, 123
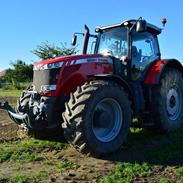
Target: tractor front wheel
97, 117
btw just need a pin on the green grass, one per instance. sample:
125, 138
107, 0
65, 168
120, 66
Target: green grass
9, 154
21, 153
19, 178
18, 156
66, 165
125, 172
179, 172
10, 93
164, 180
24, 178
17, 85
26, 150
167, 149
155, 149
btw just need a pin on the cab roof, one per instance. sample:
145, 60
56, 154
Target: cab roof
150, 27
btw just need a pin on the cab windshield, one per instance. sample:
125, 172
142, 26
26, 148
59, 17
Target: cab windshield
113, 42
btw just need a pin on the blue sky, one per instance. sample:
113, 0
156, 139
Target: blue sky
25, 24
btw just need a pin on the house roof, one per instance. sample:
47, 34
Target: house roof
2, 73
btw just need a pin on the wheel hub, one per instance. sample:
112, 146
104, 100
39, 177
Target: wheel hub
107, 120
173, 103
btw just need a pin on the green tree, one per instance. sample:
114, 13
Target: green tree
48, 50
20, 72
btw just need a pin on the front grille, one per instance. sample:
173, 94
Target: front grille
45, 77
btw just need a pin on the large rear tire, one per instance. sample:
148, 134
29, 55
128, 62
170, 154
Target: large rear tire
168, 101
97, 117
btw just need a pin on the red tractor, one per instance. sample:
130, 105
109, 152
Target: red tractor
93, 97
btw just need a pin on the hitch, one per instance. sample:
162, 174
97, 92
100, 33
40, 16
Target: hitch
5, 106
17, 118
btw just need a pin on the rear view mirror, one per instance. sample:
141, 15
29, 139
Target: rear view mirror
74, 40
141, 26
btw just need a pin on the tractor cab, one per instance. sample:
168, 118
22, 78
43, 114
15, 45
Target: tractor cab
133, 42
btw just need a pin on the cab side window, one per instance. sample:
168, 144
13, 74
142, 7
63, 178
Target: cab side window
146, 48
144, 51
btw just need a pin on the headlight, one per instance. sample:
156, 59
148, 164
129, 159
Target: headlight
53, 65
47, 88
48, 66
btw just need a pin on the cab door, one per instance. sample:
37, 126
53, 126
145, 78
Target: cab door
144, 50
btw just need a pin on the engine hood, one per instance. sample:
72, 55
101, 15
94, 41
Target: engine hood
39, 65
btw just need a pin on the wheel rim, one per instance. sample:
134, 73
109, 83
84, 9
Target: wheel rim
174, 103
107, 120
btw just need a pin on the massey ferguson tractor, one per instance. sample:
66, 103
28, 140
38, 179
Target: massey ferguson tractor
94, 97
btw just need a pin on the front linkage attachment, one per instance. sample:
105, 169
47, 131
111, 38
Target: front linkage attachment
16, 117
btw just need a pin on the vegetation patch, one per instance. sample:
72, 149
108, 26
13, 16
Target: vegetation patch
27, 149
166, 148
23, 178
125, 172
179, 172
66, 165
12, 93
161, 154
164, 180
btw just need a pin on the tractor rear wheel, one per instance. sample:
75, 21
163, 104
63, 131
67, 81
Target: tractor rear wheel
168, 101
97, 117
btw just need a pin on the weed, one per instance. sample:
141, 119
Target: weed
19, 178
15, 155
125, 172
179, 172
25, 156
5, 154
26, 149
164, 180
66, 165
39, 145
23, 178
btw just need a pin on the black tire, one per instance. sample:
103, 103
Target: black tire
168, 102
83, 118
44, 133
23, 107
23, 101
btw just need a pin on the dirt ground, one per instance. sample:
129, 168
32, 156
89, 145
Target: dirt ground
8, 129
89, 169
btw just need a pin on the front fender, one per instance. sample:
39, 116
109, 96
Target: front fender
122, 83
156, 69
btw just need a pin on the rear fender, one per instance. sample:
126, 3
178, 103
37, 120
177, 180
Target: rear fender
157, 68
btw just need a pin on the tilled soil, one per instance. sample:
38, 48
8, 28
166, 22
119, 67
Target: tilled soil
8, 129
89, 169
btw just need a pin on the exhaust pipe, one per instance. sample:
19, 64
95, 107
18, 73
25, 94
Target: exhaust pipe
86, 39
